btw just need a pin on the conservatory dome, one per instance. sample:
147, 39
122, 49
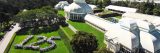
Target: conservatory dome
77, 10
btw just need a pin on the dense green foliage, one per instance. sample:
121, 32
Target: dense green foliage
32, 4
42, 13
45, 16
143, 7
99, 3
1, 35
84, 42
156, 10
7, 11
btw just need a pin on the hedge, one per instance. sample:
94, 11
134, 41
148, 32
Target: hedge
10, 43
66, 39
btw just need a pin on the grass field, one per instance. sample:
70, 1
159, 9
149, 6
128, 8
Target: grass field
61, 47
61, 12
68, 31
87, 28
84, 27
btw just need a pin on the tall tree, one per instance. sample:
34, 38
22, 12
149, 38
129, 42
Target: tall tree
84, 42
7, 11
32, 4
156, 10
45, 16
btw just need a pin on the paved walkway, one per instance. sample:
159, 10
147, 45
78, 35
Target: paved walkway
5, 41
72, 28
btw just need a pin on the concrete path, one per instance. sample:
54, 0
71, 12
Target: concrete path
72, 28
7, 38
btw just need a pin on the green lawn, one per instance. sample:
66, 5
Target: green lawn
118, 17
61, 12
87, 28
84, 27
68, 31
61, 47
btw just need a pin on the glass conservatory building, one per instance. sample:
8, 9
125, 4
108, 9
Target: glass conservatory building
128, 35
77, 10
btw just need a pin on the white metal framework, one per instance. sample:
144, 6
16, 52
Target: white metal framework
120, 9
129, 35
77, 10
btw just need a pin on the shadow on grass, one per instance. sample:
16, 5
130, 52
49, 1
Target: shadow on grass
37, 30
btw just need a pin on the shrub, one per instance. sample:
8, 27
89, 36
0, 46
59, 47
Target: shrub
1, 35
84, 42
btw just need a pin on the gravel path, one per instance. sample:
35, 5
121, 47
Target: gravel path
7, 38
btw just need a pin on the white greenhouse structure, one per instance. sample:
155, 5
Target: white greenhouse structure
149, 34
129, 35
61, 5
120, 9
77, 10
148, 18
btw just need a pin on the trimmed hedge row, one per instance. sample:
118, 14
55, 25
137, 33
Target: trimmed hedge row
10, 43
66, 39
1, 35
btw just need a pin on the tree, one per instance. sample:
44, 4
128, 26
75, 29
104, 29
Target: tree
156, 11
150, 7
148, 11
141, 7
84, 42
90, 1
37, 17
106, 3
7, 11
45, 16
121, 3
99, 3
32, 4
133, 4
102, 3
